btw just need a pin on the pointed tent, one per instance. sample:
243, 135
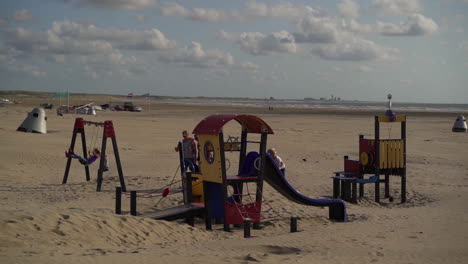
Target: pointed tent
460, 124
35, 122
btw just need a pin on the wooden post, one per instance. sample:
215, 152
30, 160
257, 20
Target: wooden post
118, 200
191, 219
243, 147
387, 185
85, 153
293, 224
336, 186
119, 165
261, 176
133, 203
78, 128
208, 224
377, 159
247, 224
109, 132
101, 162
403, 173
67, 168
223, 176
354, 191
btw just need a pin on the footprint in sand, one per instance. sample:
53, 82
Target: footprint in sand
278, 250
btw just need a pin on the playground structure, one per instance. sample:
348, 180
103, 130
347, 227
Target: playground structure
108, 132
212, 193
377, 157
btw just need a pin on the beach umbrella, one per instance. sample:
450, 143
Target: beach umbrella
460, 124
35, 122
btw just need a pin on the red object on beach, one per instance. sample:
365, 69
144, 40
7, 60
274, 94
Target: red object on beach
166, 192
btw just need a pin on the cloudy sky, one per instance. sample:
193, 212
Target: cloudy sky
357, 50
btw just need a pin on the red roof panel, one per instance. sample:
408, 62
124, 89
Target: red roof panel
214, 123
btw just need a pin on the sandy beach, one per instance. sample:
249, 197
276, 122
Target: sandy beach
45, 221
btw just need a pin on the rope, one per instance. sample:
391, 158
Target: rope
167, 187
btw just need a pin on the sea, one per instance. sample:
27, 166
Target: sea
322, 104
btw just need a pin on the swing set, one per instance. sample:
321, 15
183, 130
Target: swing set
108, 132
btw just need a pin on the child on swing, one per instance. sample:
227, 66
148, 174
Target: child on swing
92, 156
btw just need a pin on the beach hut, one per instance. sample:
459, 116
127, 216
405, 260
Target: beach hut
460, 124
35, 122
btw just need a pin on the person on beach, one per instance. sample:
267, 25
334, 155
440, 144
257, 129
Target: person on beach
189, 151
278, 161
92, 156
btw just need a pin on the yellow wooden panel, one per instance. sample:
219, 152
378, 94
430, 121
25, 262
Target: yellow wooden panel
397, 153
197, 188
402, 154
383, 154
398, 118
210, 158
391, 150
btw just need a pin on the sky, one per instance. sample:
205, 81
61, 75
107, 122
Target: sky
416, 50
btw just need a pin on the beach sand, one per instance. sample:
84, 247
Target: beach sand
44, 221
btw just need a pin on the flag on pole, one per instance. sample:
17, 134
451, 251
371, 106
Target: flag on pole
60, 95
130, 95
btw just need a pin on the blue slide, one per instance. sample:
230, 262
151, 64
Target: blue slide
337, 208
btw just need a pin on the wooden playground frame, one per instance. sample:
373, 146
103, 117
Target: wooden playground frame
108, 132
376, 156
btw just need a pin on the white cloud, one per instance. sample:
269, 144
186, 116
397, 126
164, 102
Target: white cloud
406, 81
316, 30
74, 38
118, 4
140, 18
22, 15
348, 8
59, 58
415, 25
2, 21
209, 15
259, 44
111, 64
10, 64
396, 7
354, 49
463, 45
223, 35
365, 68
251, 11
250, 66
281, 10
173, 9
151, 39
195, 56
